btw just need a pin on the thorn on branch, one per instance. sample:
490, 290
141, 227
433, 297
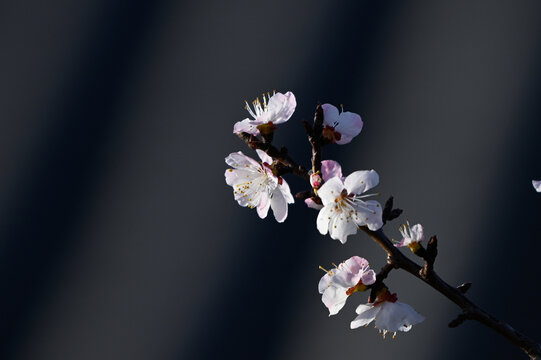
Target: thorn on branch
459, 320
388, 212
463, 288
432, 248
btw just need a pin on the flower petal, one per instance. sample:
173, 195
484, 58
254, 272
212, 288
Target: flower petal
349, 126
403, 242
238, 159
312, 204
417, 232
341, 226
360, 181
330, 169
369, 277
325, 282
286, 192
281, 107
323, 219
264, 205
247, 126
334, 299
330, 190
367, 313
537, 185
237, 176
330, 114
397, 316
264, 157
279, 205
369, 214
350, 272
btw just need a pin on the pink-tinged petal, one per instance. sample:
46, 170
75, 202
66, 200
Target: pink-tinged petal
264, 205
239, 160
286, 192
367, 313
330, 190
341, 227
350, 271
264, 157
356, 263
346, 279
281, 107
537, 185
247, 126
330, 115
279, 206
417, 232
349, 126
402, 243
369, 277
330, 169
334, 299
312, 204
323, 219
360, 181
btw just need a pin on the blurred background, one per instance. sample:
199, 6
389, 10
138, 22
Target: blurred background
119, 238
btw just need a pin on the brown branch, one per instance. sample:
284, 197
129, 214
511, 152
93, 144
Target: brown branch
314, 136
382, 275
279, 155
395, 258
456, 295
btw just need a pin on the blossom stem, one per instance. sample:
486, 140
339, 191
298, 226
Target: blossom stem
470, 310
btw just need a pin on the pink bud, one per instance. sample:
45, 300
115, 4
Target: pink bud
316, 180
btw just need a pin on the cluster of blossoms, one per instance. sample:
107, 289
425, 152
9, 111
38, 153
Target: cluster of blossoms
341, 201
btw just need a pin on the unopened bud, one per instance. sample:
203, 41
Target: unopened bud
315, 180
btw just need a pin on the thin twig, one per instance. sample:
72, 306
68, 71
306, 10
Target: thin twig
470, 310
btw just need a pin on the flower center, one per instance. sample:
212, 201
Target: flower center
385, 295
331, 134
259, 107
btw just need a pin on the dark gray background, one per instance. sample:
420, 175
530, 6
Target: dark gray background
119, 238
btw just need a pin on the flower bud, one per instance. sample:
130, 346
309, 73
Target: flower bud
315, 180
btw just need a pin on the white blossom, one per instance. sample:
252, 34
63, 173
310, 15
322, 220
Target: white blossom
410, 235
389, 316
255, 186
277, 109
340, 128
342, 281
344, 209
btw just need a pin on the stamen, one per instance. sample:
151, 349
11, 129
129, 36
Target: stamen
250, 110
